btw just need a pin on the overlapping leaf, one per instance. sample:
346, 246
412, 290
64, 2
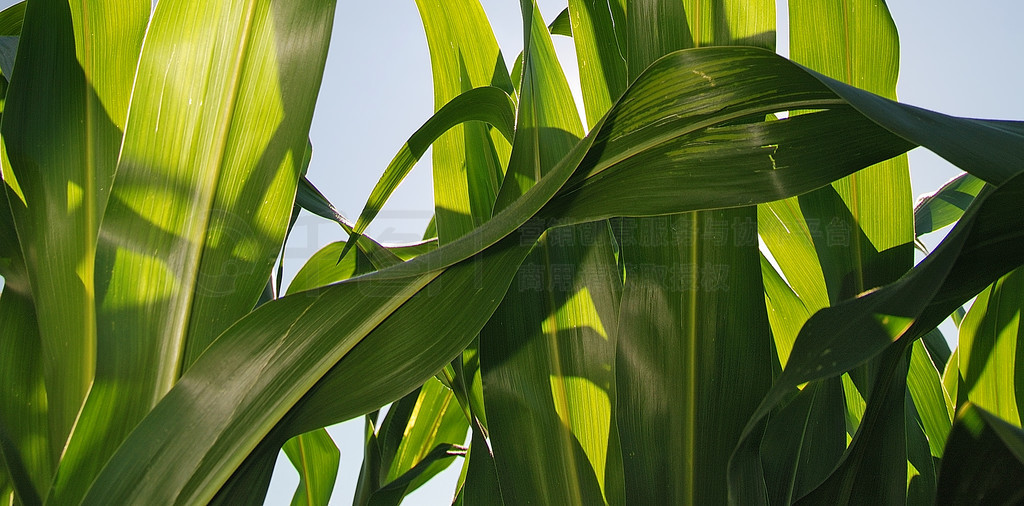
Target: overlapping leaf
311, 359
63, 117
197, 213
985, 460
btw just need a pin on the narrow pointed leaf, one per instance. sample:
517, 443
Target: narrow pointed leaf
786, 312
486, 104
931, 403
435, 420
468, 159
602, 60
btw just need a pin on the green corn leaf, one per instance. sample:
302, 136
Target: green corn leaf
341, 336
600, 52
561, 25
547, 123
24, 447
813, 423
308, 197
63, 117
221, 139
873, 469
687, 373
930, 400
478, 483
316, 458
947, 204
922, 467
11, 21
392, 493
323, 268
469, 159
486, 104
984, 461
901, 311
435, 419
786, 312
545, 354
990, 356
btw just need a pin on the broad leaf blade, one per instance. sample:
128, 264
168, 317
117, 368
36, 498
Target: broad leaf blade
62, 123
206, 176
694, 345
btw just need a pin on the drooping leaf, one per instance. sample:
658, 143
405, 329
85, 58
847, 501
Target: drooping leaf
486, 104
338, 340
468, 159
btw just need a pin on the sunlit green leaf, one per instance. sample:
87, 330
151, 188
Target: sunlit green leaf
62, 123
991, 357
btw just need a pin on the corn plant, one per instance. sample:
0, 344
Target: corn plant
589, 318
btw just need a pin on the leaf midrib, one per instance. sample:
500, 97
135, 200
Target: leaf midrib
221, 136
